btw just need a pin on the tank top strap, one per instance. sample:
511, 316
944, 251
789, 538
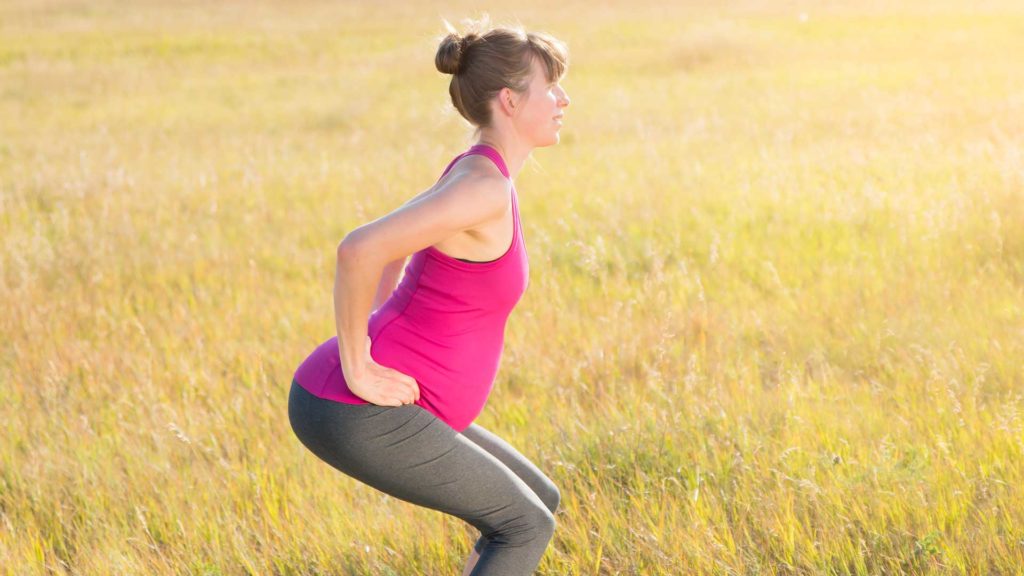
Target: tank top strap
492, 154
495, 157
483, 150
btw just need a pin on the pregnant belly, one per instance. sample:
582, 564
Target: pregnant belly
455, 376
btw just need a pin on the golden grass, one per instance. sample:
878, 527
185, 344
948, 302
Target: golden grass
775, 321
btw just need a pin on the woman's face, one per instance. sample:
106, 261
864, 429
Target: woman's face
540, 109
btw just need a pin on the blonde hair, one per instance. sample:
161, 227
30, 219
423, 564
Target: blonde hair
486, 59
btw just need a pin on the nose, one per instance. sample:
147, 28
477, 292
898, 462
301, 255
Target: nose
564, 100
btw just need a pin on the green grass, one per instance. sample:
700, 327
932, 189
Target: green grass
775, 320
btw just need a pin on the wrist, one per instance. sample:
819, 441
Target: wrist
352, 373
353, 365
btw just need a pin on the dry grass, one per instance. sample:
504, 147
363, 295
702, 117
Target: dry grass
775, 322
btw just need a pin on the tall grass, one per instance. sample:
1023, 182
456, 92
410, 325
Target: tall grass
775, 321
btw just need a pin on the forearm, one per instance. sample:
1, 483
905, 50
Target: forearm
388, 281
354, 281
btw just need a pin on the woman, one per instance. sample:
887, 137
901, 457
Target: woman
391, 400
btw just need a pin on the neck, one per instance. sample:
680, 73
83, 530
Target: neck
513, 152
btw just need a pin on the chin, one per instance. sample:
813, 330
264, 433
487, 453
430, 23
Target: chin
551, 141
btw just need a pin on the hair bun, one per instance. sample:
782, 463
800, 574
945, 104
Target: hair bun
449, 53
452, 50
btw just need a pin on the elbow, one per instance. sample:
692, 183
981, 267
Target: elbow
352, 247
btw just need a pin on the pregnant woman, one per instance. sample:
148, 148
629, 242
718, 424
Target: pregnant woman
390, 401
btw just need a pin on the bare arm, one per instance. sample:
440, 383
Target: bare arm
462, 203
393, 271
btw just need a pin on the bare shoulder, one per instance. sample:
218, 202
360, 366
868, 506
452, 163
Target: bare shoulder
480, 198
470, 195
473, 179
477, 163
480, 170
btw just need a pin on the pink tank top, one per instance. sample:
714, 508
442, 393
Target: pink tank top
444, 325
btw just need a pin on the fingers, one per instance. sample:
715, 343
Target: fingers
409, 395
394, 398
412, 386
410, 389
397, 388
401, 394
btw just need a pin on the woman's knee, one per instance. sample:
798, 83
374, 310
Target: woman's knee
548, 523
534, 524
544, 524
550, 496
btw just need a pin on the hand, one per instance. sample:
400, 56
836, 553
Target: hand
383, 386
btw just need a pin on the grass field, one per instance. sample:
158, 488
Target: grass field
775, 323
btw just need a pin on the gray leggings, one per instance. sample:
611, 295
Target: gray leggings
409, 453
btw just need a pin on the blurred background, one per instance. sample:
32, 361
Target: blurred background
775, 320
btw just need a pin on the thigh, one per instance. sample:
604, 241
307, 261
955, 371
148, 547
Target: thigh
521, 465
407, 452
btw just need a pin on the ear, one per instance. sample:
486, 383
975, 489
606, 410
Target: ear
508, 101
